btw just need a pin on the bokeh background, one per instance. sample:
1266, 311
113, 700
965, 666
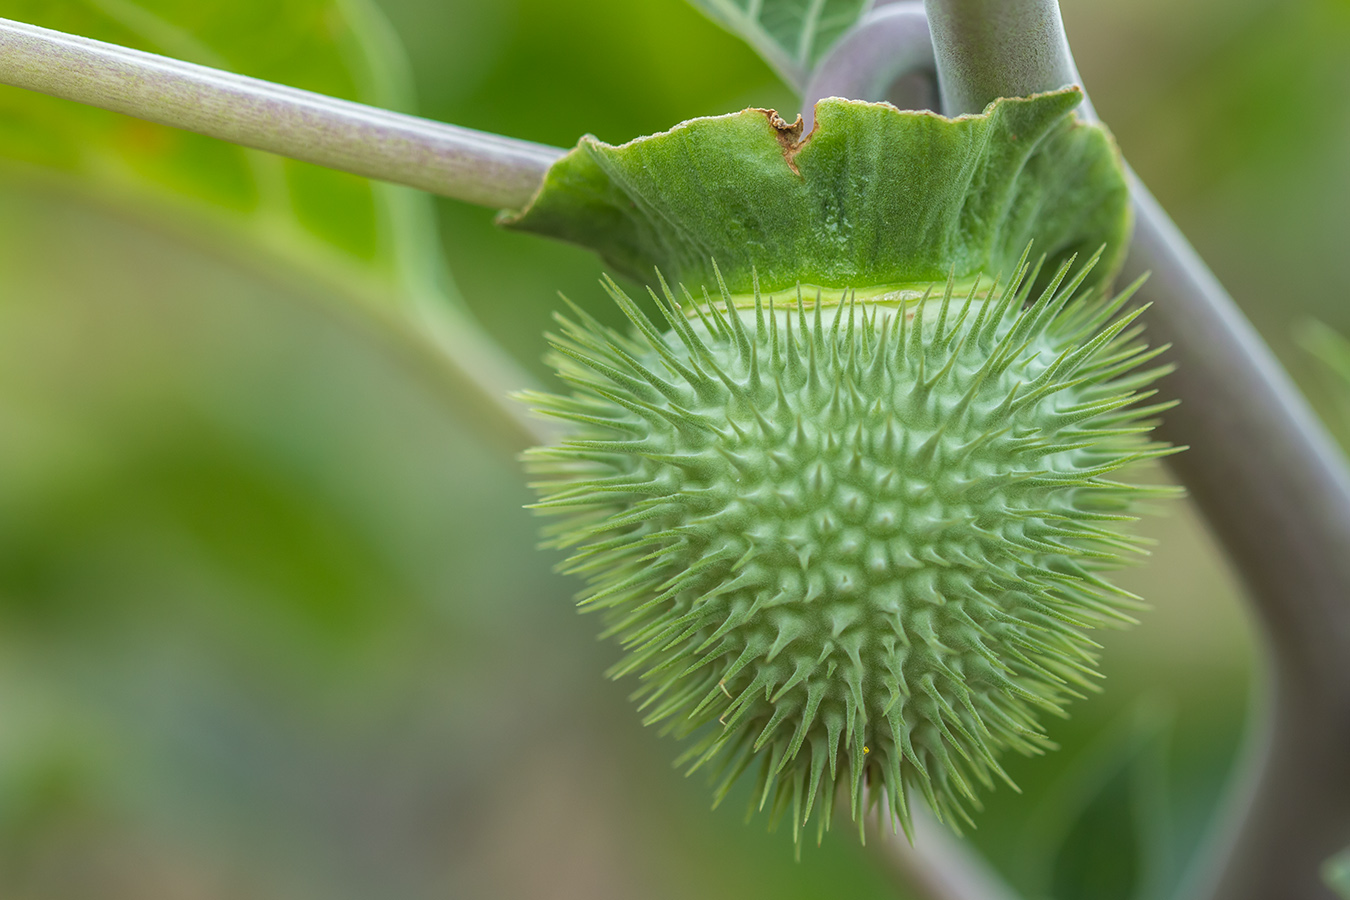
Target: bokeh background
272, 620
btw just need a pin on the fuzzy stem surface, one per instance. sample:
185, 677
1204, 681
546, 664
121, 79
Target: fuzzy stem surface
988, 49
1270, 481
472, 166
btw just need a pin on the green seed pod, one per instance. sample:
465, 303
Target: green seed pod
853, 540
851, 547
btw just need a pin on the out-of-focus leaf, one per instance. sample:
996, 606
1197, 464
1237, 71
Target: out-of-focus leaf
370, 247
1333, 351
1328, 346
1336, 873
1100, 855
239, 581
349, 229
792, 35
1106, 829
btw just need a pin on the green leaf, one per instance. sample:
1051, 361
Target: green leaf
1327, 345
1332, 350
792, 35
1336, 873
875, 198
369, 246
1100, 856
295, 208
1109, 820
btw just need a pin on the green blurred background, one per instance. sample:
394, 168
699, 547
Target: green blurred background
272, 623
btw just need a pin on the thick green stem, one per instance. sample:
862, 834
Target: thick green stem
1271, 483
467, 165
988, 49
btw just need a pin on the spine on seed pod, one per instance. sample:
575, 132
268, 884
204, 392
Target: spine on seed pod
847, 493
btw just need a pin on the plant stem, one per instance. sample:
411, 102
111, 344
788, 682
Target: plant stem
939, 866
456, 162
889, 43
987, 49
1262, 469
468, 165
1275, 490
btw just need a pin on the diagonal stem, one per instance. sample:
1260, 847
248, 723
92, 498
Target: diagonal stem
939, 865
473, 166
1266, 475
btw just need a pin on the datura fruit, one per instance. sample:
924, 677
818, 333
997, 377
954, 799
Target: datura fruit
847, 494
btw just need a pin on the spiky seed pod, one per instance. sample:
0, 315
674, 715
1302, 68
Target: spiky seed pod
852, 546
